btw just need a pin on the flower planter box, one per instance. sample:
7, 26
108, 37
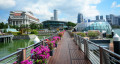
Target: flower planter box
51, 52
93, 37
55, 45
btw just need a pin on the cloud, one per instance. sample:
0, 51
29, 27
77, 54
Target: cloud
3, 20
118, 5
114, 4
68, 9
5, 4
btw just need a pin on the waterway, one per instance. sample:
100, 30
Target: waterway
117, 31
10, 47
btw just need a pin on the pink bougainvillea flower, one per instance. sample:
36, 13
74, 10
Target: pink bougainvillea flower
26, 62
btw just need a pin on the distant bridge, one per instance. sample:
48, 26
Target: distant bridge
6, 38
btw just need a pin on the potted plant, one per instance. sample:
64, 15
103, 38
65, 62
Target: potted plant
56, 38
27, 62
24, 62
61, 33
51, 45
40, 54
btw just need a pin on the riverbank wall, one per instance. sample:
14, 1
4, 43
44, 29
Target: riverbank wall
24, 37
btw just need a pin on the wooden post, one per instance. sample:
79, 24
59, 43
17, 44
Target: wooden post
21, 55
24, 54
101, 55
84, 42
79, 43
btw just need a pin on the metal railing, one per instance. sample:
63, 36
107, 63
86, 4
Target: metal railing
23, 53
95, 53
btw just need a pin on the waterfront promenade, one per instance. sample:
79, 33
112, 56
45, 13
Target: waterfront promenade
67, 52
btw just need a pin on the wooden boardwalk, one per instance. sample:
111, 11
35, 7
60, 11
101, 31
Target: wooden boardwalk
67, 53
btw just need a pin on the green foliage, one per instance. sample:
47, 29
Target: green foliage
3, 26
81, 34
93, 33
115, 26
9, 32
71, 24
36, 26
34, 32
5, 31
72, 34
109, 36
16, 33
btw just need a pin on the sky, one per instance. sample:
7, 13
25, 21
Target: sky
67, 9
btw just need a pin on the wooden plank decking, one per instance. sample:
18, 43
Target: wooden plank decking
67, 53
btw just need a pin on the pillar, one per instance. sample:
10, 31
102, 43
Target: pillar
116, 44
15, 22
12, 23
112, 33
19, 23
4, 40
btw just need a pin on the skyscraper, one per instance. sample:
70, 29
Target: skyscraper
80, 18
101, 17
55, 15
97, 17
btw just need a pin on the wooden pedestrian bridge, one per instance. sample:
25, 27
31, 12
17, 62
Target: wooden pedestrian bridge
70, 50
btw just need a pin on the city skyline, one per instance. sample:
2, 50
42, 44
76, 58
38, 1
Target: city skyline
43, 9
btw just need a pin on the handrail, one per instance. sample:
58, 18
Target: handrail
24, 50
10, 55
94, 52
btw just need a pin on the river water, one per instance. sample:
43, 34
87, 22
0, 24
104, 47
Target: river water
10, 47
117, 31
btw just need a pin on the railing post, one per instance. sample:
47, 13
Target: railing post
86, 50
77, 39
79, 43
101, 55
21, 55
74, 37
24, 54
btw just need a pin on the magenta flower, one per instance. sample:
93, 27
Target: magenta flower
32, 51
26, 62
41, 54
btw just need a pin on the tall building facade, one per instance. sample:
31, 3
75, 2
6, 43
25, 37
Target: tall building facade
97, 17
21, 17
80, 18
101, 17
55, 15
113, 20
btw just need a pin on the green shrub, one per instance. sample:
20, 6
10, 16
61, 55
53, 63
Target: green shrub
9, 32
109, 36
81, 34
16, 33
72, 34
5, 31
93, 33
34, 32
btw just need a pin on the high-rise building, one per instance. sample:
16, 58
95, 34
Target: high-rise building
80, 18
108, 19
97, 17
101, 17
113, 20
21, 17
55, 15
